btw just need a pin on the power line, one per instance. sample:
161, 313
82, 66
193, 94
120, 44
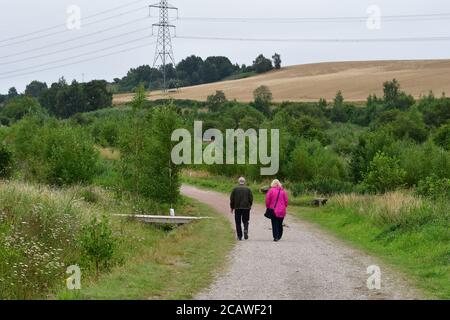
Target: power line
73, 39
63, 25
75, 56
78, 62
355, 40
391, 18
67, 30
73, 48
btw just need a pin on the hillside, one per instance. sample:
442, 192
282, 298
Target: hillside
322, 80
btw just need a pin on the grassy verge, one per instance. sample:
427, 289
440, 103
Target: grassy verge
407, 232
420, 248
173, 265
41, 233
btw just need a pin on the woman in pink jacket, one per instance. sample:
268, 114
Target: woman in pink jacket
277, 199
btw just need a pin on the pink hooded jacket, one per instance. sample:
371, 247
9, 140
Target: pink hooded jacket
283, 201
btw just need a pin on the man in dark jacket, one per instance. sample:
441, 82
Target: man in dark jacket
241, 201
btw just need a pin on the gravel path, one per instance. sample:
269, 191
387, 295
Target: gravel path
307, 263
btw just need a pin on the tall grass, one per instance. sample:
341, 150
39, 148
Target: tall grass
408, 231
398, 208
40, 233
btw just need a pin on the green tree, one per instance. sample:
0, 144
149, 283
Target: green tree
35, 89
17, 108
395, 98
97, 95
262, 64
385, 174
222, 64
339, 113
436, 112
216, 101
70, 100
166, 181
368, 146
442, 137
277, 61
310, 161
98, 242
6, 161
146, 166
262, 99
54, 153
12, 93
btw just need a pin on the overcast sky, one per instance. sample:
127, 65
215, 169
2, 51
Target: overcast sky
34, 52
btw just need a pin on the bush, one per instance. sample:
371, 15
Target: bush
17, 108
422, 161
311, 161
442, 137
369, 145
106, 131
436, 112
98, 243
385, 174
262, 99
434, 187
6, 161
54, 153
322, 186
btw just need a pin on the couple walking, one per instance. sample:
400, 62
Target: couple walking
241, 201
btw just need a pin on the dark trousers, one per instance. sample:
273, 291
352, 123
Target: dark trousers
241, 216
277, 228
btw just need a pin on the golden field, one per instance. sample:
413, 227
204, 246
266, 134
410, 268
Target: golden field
310, 82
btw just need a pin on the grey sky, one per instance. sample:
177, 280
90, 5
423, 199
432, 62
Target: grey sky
25, 16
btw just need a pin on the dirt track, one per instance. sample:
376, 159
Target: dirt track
307, 264
310, 82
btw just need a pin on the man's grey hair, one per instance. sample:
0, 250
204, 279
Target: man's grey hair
241, 180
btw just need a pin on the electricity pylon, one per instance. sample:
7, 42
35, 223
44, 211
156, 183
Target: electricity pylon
164, 50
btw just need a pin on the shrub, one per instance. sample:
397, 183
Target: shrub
442, 137
422, 161
54, 153
368, 146
407, 125
17, 108
6, 161
434, 187
71, 156
106, 132
262, 99
216, 101
322, 186
436, 112
311, 161
385, 174
98, 243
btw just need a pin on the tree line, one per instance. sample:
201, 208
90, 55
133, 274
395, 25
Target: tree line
61, 99
194, 70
